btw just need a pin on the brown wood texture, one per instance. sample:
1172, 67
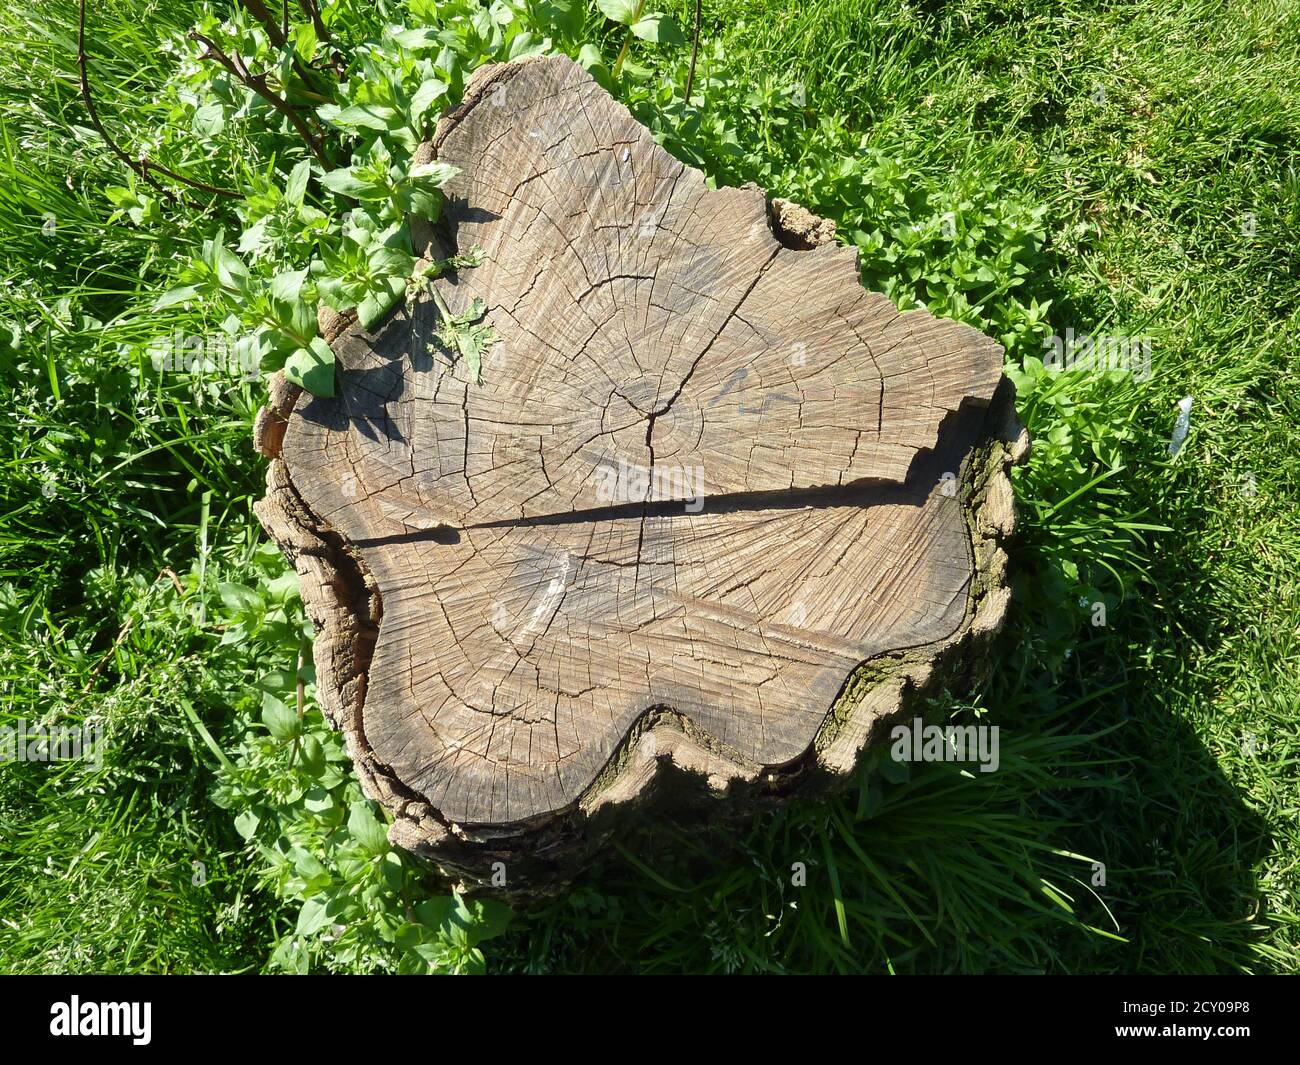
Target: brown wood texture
711, 513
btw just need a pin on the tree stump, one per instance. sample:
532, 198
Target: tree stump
713, 516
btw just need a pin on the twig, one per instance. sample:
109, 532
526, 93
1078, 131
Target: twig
695, 50
235, 65
278, 33
176, 581
103, 661
202, 186
331, 57
138, 167
143, 166
256, 8
312, 11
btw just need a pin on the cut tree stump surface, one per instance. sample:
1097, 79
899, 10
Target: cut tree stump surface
712, 504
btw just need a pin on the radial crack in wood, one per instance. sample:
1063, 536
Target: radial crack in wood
713, 508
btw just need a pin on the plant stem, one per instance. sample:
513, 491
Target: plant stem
627, 41
235, 65
278, 33
258, 9
695, 50
302, 703
312, 11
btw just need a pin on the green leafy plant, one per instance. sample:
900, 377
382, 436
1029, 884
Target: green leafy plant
380, 96
654, 27
941, 139
321, 845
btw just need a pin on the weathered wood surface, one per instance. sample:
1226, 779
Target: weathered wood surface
713, 507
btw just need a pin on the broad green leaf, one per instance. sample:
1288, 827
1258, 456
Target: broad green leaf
590, 59
434, 953
429, 90
246, 824
366, 829
363, 116
345, 183
174, 296
458, 922
659, 29
492, 919
238, 598
312, 368
525, 44
378, 301
313, 917
280, 720
296, 187
276, 680
291, 956
147, 212
306, 863
433, 173
256, 237
319, 801
417, 39
281, 345
566, 16
283, 587
229, 268
424, 203
470, 921
432, 912
622, 11
286, 287
209, 120
313, 756
122, 196
305, 41
394, 261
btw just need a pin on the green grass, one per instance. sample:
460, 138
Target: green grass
1131, 745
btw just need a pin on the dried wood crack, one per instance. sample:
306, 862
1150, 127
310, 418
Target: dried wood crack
713, 506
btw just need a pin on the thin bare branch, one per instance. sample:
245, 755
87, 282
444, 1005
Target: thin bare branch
256, 8
237, 68
137, 166
278, 33
312, 11
143, 166
695, 51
